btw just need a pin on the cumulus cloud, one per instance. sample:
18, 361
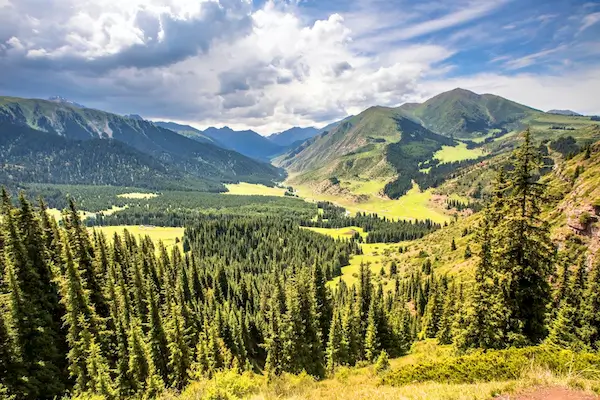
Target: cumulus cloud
231, 62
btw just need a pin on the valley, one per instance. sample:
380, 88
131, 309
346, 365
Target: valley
384, 255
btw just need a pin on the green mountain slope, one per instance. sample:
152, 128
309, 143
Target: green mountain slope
463, 113
378, 144
31, 156
200, 159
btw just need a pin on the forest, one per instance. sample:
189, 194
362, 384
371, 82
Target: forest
123, 317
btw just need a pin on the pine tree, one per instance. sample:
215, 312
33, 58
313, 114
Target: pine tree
335, 353
81, 321
485, 318
525, 249
372, 343
322, 301
33, 302
453, 245
445, 333
590, 314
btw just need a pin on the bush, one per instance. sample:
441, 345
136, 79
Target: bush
497, 365
383, 362
585, 218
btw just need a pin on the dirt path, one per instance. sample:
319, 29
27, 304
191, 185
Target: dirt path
551, 393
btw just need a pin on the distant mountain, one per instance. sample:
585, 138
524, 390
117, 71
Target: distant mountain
188, 131
203, 160
62, 100
564, 112
463, 113
137, 117
246, 142
292, 135
31, 156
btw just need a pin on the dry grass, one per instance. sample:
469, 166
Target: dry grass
364, 383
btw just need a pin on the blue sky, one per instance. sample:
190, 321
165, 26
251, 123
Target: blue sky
270, 65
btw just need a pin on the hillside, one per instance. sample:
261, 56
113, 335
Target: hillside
203, 160
462, 113
31, 156
564, 112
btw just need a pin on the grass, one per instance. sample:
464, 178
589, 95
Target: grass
415, 204
339, 233
138, 195
248, 189
167, 235
361, 383
460, 152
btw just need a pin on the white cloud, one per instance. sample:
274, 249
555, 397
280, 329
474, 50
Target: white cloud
589, 20
270, 68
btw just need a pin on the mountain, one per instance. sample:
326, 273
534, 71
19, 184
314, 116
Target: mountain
246, 142
380, 143
293, 135
188, 131
564, 112
32, 156
137, 117
203, 160
62, 100
463, 113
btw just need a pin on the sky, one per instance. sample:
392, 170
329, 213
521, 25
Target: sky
270, 65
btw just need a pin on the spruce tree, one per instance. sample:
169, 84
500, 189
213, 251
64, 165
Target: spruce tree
33, 303
524, 252
590, 315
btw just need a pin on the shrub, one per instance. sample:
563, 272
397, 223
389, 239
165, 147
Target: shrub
585, 218
383, 362
497, 365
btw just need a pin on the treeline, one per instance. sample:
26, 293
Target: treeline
380, 229
183, 208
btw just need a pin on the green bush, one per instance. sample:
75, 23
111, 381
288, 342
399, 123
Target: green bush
497, 365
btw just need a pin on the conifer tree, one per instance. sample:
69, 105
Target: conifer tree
372, 343
590, 331
524, 247
33, 302
335, 353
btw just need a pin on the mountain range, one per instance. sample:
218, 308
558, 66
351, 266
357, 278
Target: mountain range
204, 161
397, 145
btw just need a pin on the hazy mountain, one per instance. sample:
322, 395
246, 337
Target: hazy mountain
292, 135
246, 142
564, 112
137, 117
188, 131
62, 100
203, 160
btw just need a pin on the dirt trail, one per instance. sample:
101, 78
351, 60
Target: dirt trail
551, 393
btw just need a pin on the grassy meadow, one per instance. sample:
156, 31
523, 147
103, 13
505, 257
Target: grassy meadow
168, 235
459, 152
252, 189
415, 204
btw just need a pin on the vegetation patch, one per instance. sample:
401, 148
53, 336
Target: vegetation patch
498, 365
459, 152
